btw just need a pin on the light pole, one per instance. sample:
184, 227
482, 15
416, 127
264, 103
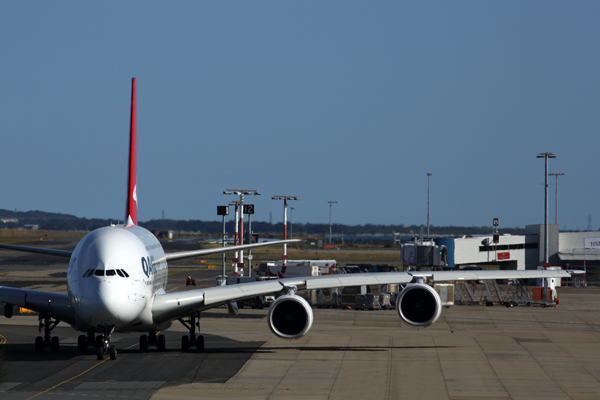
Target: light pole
428, 176
556, 175
292, 222
331, 203
546, 156
241, 193
223, 210
285, 199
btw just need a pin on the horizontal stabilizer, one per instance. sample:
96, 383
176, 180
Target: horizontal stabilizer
39, 250
204, 252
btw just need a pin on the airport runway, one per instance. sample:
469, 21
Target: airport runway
472, 352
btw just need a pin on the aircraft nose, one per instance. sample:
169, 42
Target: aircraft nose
117, 306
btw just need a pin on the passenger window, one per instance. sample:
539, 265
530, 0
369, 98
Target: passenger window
99, 272
110, 272
120, 273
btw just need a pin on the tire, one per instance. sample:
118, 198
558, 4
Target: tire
113, 352
200, 343
99, 340
161, 343
185, 343
39, 344
81, 343
144, 343
100, 353
54, 344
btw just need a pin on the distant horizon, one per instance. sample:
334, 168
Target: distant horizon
230, 220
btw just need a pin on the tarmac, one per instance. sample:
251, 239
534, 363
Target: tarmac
472, 352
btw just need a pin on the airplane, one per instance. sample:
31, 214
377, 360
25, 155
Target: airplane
117, 275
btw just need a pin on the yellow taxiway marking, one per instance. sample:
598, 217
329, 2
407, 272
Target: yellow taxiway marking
76, 376
2, 340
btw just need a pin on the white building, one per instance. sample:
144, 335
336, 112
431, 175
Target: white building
576, 250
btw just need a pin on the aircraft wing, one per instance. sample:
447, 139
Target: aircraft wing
55, 305
172, 305
203, 252
40, 250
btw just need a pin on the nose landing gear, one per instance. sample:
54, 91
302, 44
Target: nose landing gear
105, 347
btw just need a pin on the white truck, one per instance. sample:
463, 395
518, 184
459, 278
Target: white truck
294, 268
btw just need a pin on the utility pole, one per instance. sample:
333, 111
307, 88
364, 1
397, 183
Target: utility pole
428, 176
331, 203
556, 175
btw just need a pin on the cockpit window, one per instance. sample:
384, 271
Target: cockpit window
125, 273
120, 273
110, 272
85, 274
99, 272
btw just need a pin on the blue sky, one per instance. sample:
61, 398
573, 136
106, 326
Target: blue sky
342, 100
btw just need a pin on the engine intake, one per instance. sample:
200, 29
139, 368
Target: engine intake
419, 305
290, 317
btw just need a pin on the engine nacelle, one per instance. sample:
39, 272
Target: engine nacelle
290, 317
419, 305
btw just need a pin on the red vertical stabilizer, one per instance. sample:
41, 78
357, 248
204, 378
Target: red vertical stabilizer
131, 211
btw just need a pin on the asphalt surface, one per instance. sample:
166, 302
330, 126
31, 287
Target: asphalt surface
472, 352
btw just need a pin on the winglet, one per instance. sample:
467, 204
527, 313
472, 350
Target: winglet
131, 211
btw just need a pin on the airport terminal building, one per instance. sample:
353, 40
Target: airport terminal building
576, 250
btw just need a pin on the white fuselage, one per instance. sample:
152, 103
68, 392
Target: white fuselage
113, 276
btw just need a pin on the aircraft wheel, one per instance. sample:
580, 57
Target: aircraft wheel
54, 344
185, 343
200, 343
100, 353
81, 343
39, 344
143, 343
161, 344
113, 352
99, 340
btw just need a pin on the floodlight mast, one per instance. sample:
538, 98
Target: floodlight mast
241, 193
546, 156
285, 199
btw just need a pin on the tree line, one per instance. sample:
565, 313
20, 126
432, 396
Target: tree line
67, 222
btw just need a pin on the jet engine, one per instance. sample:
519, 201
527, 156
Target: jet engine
419, 305
290, 317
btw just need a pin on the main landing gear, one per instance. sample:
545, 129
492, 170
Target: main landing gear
101, 343
191, 340
48, 340
152, 340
